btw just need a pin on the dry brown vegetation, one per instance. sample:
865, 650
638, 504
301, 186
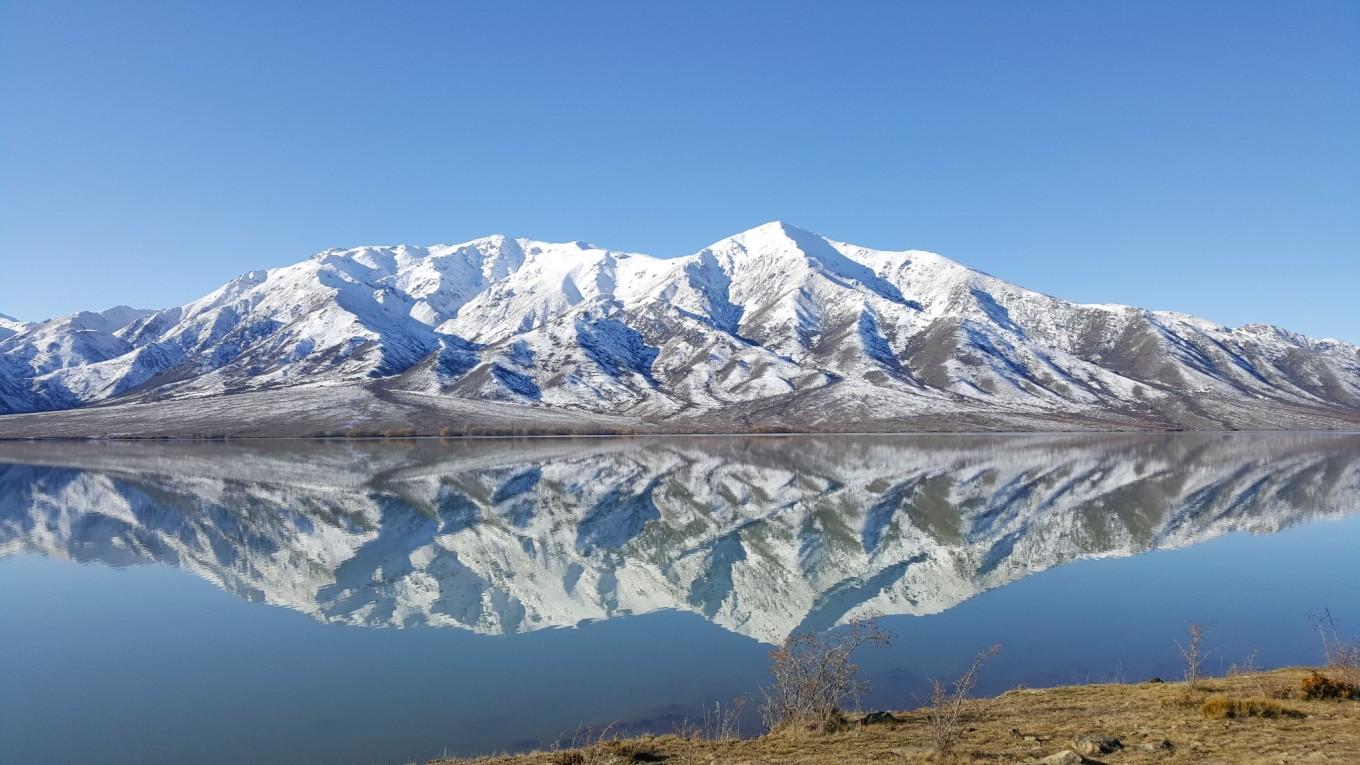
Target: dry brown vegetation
1229, 708
1165, 723
1319, 687
1192, 653
951, 708
816, 678
1341, 654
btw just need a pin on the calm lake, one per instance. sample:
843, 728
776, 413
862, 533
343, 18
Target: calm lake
388, 602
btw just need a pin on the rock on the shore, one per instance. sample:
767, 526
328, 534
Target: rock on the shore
1092, 744
1159, 746
1065, 757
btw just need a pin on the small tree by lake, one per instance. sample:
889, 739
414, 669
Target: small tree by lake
815, 677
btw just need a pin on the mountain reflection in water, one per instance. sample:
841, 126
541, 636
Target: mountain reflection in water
763, 536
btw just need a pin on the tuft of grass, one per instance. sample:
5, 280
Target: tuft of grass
633, 751
613, 751
1226, 708
1184, 698
1318, 687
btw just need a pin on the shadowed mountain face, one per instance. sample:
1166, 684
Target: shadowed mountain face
774, 327
762, 536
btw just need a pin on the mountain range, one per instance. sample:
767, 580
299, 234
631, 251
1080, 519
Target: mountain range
775, 328
762, 536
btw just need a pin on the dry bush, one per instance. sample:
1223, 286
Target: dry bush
1193, 653
1319, 687
723, 723
1342, 655
814, 676
1225, 708
947, 717
1249, 669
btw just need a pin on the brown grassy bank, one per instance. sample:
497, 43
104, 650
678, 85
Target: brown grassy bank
1252, 719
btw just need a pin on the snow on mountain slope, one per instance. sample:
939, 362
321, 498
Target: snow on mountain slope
10, 325
761, 536
774, 326
70, 341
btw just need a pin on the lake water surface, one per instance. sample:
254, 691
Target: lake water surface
386, 602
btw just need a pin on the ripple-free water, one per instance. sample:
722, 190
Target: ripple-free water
393, 601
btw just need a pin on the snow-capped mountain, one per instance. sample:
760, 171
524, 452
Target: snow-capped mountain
761, 536
773, 327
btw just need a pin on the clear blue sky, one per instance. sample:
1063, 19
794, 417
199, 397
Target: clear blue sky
1197, 156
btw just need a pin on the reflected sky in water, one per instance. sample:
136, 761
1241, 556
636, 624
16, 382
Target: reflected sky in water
475, 596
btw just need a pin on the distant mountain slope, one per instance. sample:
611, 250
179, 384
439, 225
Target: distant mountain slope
775, 327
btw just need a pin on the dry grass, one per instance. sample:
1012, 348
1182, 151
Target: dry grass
1025, 725
1229, 708
609, 752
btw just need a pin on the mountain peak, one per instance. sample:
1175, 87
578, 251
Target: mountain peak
772, 237
779, 228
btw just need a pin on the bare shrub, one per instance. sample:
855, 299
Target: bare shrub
814, 676
948, 715
688, 730
721, 722
1193, 653
1341, 655
1248, 668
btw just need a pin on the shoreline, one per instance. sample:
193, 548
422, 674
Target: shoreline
375, 411
653, 435
1258, 718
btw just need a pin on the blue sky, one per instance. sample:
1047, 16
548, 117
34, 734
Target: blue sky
1196, 156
